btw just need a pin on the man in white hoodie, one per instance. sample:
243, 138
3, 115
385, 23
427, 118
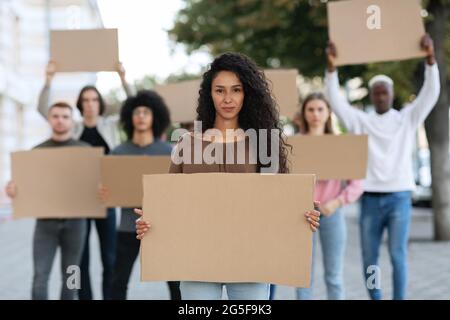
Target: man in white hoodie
386, 202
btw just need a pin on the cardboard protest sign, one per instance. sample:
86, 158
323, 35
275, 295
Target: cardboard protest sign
57, 183
87, 50
181, 99
329, 156
255, 231
122, 177
283, 84
366, 31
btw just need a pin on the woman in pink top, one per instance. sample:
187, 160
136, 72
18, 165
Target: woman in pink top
315, 119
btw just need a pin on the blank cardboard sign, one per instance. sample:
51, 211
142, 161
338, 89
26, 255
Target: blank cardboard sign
88, 50
222, 227
181, 99
329, 156
57, 183
283, 84
122, 176
367, 31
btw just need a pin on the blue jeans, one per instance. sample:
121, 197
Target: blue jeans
49, 234
333, 237
379, 211
106, 230
194, 290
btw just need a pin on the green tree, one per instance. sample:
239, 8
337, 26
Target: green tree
271, 32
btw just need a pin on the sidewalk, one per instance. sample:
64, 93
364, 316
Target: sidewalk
429, 262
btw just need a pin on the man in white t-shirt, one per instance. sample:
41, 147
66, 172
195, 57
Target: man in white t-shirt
386, 202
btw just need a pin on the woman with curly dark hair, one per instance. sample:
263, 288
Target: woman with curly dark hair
256, 110
234, 96
144, 118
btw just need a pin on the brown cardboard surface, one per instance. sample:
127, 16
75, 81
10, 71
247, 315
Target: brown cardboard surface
181, 99
122, 176
397, 39
283, 83
57, 183
329, 156
87, 50
222, 227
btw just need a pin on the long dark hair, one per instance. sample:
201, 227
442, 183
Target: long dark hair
304, 127
101, 101
259, 110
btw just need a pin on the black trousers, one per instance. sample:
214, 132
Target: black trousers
106, 230
127, 252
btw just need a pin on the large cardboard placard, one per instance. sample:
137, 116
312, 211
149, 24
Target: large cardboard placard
122, 177
366, 31
283, 83
182, 97
329, 156
57, 183
223, 227
87, 50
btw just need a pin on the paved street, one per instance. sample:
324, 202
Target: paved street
429, 264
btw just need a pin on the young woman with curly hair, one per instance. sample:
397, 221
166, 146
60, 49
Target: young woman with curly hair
234, 94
